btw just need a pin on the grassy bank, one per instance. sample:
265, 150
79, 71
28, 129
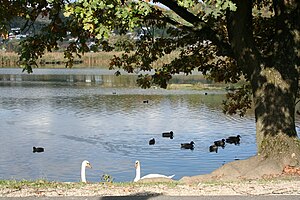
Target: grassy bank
42, 188
40, 183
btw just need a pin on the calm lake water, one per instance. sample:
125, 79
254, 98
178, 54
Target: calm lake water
92, 115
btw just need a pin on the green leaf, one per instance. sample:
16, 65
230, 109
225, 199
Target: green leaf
110, 6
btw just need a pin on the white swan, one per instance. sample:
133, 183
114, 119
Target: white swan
84, 164
138, 173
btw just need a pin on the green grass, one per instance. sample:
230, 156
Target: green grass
15, 184
19, 184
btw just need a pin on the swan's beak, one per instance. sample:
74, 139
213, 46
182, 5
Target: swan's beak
89, 165
136, 164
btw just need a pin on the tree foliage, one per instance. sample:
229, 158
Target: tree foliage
198, 30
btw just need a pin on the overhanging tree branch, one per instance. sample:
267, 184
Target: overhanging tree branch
240, 34
199, 27
181, 11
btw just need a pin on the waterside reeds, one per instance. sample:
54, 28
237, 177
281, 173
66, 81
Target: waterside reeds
57, 60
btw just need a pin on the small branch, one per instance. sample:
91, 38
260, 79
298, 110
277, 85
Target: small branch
181, 11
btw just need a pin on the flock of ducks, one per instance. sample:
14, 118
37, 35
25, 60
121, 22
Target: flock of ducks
171, 136
213, 148
86, 164
221, 143
191, 145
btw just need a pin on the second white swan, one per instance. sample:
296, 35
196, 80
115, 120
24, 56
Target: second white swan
84, 164
138, 173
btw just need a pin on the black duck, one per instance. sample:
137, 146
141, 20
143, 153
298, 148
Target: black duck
233, 139
152, 141
37, 149
220, 143
213, 148
168, 134
188, 145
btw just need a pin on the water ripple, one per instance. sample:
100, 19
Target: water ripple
75, 123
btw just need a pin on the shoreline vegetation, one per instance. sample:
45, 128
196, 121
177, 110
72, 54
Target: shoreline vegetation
42, 188
99, 59
57, 60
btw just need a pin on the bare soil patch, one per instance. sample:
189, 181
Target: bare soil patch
286, 185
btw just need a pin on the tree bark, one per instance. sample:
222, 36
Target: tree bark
274, 83
274, 102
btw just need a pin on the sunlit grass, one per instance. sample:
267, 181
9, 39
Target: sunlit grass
19, 184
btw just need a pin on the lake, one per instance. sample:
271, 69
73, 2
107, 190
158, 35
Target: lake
93, 115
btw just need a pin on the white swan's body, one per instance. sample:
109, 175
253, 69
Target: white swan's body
138, 173
84, 164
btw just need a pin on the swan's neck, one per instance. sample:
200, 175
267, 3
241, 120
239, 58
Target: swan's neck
83, 179
137, 173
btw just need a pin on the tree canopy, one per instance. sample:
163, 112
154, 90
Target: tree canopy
226, 40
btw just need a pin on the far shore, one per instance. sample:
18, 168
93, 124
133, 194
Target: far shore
99, 59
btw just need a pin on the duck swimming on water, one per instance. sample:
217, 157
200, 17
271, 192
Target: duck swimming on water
220, 143
213, 148
152, 141
188, 145
233, 139
37, 149
168, 134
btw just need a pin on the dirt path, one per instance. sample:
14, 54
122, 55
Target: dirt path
289, 186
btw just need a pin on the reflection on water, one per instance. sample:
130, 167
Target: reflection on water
111, 127
103, 77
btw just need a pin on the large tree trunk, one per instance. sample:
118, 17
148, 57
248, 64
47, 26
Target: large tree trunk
275, 87
274, 81
274, 97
